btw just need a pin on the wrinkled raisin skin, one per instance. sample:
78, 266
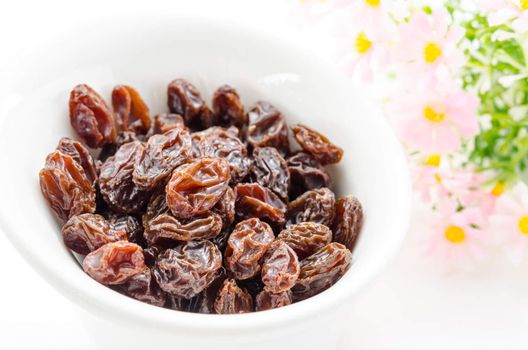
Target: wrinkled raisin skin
317, 145
306, 238
267, 301
79, 154
253, 200
228, 109
268, 128
143, 287
196, 187
85, 233
225, 207
65, 186
184, 99
115, 263
322, 270
280, 268
271, 170
246, 246
314, 206
232, 299
188, 269
116, 183
306, 173
131, 111
348, 221
163, 122
90, 117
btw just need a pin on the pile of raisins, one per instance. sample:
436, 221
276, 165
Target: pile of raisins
199, 209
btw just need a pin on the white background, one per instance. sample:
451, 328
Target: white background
412, 305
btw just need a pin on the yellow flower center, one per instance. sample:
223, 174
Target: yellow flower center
498, 189
363, 43
431, 52
432, 115
524, 4
374, 3
438, 178
455, 234
433, 160
523, 225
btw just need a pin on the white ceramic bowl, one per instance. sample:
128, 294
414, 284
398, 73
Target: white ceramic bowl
147, 55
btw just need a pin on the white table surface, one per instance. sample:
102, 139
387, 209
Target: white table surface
410, 306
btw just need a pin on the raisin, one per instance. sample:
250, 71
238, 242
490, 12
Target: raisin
321, 270
225, 207
267, 301
129, 224
306, 238
348, 221
253, 285
117, 187
306, 173
221, 239
223, 143
90, 117
231, 299
162, 155
196, 187
131, 112
268, 128
65, 186
157, 205
246, 246
188, 269
151, 255
271, 171
143, 287
184, 99
315, 206
228, 109
164, 122
280, 268
110, 149
85, 233
317, 145
166, 227
115, 262
253, 200
79, 154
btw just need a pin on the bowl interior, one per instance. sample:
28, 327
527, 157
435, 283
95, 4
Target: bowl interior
208, 54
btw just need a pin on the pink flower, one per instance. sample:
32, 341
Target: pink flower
510, 223
428, 177
429, 44
362, 39
453, 237
501, 11
434, 118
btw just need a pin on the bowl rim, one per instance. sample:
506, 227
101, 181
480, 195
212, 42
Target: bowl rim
116, 307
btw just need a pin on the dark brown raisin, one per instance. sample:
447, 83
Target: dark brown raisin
129, 224
115, 263
306, 238
223, 143
163, 122
228, 109
268, 128
246, 246
65, 186
110, 149
270, 170
79, 154
157, 205
196, 187
143, 287
166, 227
162, 155
306, 173
151, 255
131, 111
85, 233
225, 207
188, 269
90, 117
280, 268
317, 145
231, 299
117, 187
321, 270
184, 99
253, 200
312, 206
267, 301
348, 221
